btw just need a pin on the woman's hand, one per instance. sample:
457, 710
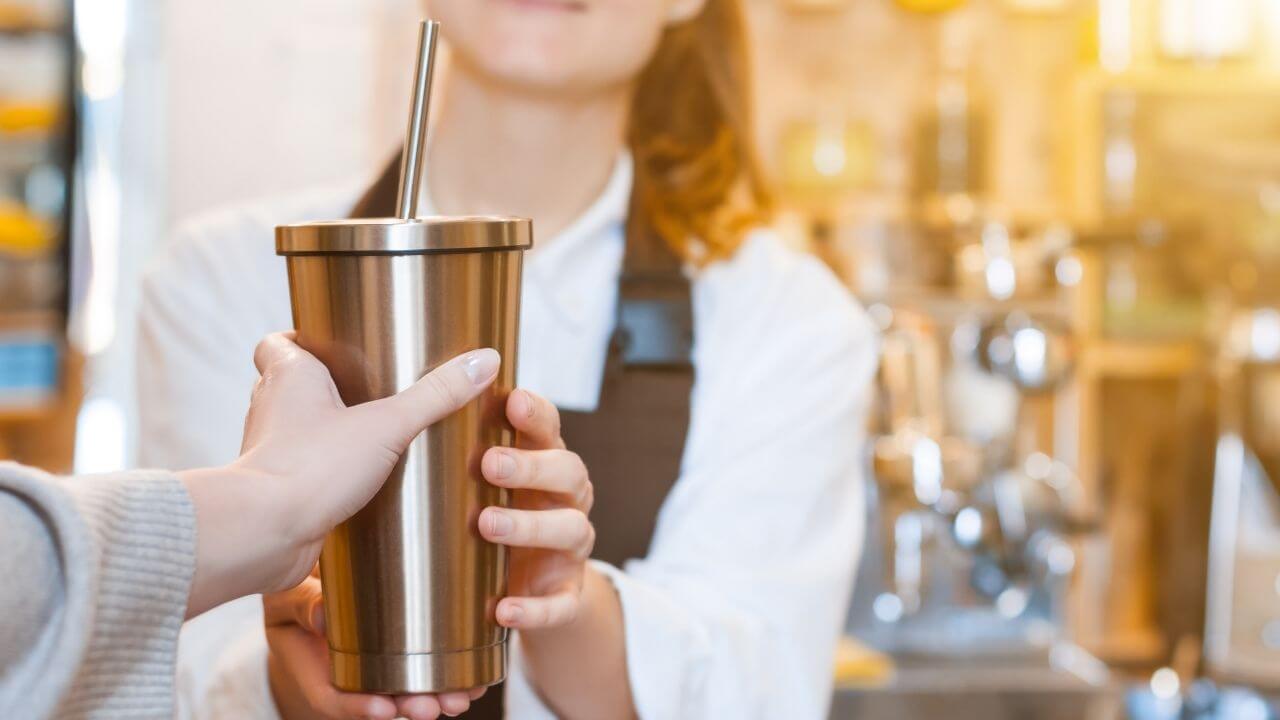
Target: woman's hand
550, 538
308, 462
298, 667
547, 527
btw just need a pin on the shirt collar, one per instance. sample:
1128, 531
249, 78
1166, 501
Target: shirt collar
551, 263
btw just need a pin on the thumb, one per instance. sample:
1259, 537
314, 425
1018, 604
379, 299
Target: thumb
439, 393
275, 348
302, 605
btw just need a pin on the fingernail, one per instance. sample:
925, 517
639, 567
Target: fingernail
511, 614
317, 618
499, 523
480, 365
503, 465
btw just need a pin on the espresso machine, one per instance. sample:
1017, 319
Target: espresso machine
973, 521
1242, 618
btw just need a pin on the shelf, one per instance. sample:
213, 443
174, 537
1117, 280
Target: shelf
29, 30
20, 119
31, 358
946, 305
1134, 359
1186, 80
26, 319
19, 20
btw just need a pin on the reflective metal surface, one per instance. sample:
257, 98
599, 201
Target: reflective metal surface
1035, 354
409, 585
387, 235
415, 136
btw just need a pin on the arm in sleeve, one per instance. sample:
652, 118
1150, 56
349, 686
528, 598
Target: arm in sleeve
211, 295
97, 572
737, 609
193, 323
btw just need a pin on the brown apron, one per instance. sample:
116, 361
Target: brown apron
633, 442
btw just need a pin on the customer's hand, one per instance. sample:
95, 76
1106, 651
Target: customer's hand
550, 538
298, 667
547, 526
308, 462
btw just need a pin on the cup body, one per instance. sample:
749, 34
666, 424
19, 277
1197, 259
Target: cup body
410, 587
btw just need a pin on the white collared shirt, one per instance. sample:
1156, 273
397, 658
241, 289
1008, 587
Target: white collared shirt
736, 609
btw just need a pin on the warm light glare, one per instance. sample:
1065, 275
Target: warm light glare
1115, 35
1000, 274
887, 608
926, 468
103, 200
1165, 684
1069, 271
968, 526
1205, 29
1120, 162
1264, 335
1030, 354
1269, 24
1038, 6
100, 437
1038, 466
829, 157
1012, 602
1002, 279
102, 78
101, 28
1271, 634
1061, 559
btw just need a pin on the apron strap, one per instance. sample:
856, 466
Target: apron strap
654, 327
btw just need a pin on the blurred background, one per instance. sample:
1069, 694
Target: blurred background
1063, 214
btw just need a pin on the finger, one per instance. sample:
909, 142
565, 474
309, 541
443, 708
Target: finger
554, 471
536, 420
418, 707
306, 659
439, 393
566, 529
455, 703
301, 605
476, 693
362, 706
276, 348
532, 613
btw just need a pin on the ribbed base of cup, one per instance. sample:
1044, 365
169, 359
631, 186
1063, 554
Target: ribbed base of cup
421, 672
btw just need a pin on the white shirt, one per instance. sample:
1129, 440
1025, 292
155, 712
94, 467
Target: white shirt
736, 609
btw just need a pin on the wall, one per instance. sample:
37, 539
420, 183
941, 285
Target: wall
869, 61
265, 98
222, 103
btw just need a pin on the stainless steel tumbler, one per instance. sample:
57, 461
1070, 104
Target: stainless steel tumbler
410, 587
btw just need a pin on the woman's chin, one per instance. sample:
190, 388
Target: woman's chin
575, 7
536, 71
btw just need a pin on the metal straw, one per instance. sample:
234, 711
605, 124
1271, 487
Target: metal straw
415, 140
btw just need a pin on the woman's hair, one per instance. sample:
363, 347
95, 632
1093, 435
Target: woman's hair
698, 185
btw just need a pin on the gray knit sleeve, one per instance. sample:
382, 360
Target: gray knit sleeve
94, 577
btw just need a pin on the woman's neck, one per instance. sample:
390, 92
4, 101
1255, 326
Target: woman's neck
496, 150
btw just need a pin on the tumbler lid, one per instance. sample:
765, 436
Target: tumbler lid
393, 236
